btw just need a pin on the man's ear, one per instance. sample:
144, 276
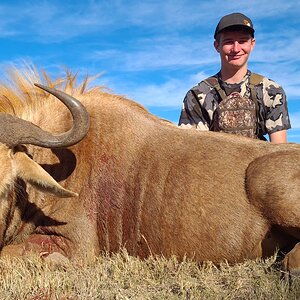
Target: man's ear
216, 45
253, 42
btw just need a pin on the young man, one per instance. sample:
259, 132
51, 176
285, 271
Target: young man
234, 41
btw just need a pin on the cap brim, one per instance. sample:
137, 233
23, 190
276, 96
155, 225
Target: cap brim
242, 26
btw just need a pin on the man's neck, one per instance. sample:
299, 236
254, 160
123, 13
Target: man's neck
233, 76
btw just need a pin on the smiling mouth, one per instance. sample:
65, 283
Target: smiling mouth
235, 56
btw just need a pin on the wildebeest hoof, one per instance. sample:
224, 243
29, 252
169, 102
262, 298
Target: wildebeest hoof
291, 263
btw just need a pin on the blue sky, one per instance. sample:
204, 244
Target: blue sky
150, 51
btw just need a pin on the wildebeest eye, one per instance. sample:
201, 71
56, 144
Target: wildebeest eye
22, 148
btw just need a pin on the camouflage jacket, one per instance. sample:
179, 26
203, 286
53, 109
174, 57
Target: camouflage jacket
201, 101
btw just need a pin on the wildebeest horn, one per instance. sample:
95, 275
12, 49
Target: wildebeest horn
15, 131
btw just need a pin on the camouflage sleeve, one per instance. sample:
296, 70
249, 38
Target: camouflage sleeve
277, 117
191, 114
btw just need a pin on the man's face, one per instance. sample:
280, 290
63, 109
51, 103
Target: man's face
234, 48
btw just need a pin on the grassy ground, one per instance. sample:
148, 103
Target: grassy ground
124, 277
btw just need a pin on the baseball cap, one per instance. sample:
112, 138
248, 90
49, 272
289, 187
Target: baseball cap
234, 20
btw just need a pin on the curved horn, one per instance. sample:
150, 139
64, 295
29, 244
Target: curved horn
15, 131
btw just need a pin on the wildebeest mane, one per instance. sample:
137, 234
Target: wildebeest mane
19, 96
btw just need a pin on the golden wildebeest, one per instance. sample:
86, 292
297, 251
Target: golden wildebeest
142, 183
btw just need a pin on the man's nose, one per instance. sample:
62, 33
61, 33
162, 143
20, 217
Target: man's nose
236, 46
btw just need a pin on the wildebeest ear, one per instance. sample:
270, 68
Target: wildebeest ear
32, 173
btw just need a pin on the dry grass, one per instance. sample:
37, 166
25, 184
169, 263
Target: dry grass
121, 276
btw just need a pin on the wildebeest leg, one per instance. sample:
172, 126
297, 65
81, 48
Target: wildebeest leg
273, 186
291, 263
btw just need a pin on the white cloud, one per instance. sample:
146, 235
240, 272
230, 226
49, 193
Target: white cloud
169, 93
295, 120
199, 76
158, 53
63, 20
56, 21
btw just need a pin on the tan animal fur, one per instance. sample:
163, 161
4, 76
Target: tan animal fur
146, 185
